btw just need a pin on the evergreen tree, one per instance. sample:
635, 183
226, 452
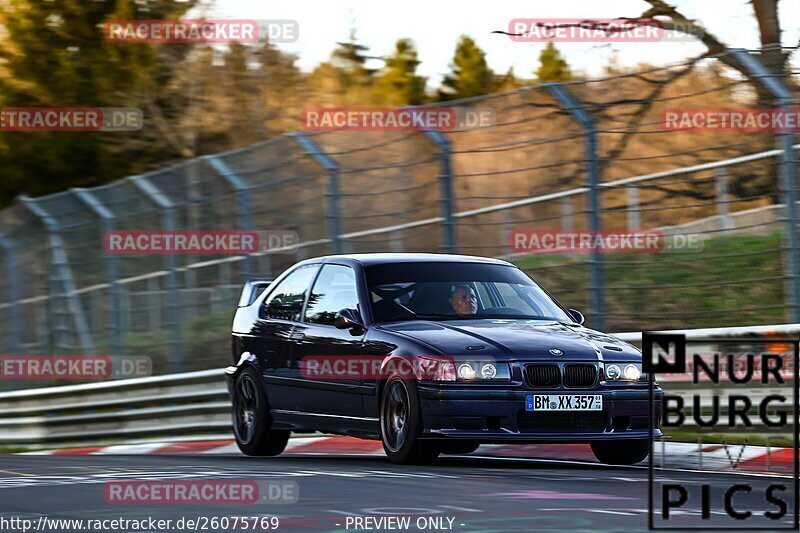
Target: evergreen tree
552, 65
350, 59
471, 75
344, 80
399, 83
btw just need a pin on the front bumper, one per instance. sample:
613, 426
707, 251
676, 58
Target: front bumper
499, 416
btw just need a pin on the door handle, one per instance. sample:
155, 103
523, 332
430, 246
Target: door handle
297, 337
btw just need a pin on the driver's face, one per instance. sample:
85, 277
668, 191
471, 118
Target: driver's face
464, 301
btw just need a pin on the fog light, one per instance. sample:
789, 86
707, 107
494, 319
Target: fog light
613, 372
466, 371
632, 373
488, 371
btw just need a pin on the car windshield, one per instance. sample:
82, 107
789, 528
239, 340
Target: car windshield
452, 291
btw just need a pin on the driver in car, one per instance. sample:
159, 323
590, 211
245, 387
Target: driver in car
464, 300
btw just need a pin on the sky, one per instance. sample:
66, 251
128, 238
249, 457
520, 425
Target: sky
435, 25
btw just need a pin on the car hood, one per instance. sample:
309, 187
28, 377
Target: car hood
516, 340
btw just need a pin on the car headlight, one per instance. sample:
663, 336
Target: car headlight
613, 372
632, 373
483, 371
466, 371
624, 372
488, 371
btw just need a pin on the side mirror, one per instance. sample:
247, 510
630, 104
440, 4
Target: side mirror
577, 316
348, 319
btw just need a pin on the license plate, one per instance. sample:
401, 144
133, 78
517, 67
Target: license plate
564, 402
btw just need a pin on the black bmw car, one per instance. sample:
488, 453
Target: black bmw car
432, 354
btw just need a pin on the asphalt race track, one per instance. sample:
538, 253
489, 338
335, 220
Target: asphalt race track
468, 493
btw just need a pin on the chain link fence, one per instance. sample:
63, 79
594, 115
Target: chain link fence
588, 155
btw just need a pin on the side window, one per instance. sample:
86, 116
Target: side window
286, 301
334, 290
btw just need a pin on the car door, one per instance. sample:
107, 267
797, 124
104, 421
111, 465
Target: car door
278, 317
328, 357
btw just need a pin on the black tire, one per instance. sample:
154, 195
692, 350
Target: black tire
622, 452
401, 425
457, 447
251, 418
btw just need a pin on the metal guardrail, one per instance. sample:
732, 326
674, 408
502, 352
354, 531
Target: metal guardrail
162, 407
172, 406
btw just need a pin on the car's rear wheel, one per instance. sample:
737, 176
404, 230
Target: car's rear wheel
622, 452
401, 424
457, 447
251, 419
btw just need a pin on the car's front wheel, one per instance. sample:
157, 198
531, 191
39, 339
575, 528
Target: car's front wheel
401, 424
622, 452
251, 419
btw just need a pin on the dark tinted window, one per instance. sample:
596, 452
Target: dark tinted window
448, 291
334, 290
286, 300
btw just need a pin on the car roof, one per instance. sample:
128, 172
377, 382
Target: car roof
389, 258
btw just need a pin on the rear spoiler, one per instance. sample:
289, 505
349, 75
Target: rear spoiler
252, 288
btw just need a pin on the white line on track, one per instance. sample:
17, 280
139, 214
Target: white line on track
600, 466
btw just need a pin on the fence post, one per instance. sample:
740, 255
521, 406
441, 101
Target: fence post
152, 193
125, 307
106, 225
332, 168
507, 229
396, 241
634, 211
566, 213
579, 113
190, 289
242, 190
721, 187
63, 281
43, 336
446, 186
788, 174
154, 303
12, 284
